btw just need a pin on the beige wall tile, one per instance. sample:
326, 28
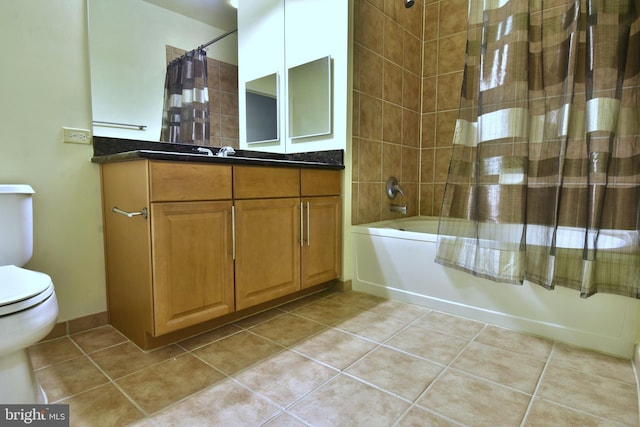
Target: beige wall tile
453, 17
431, 21
392, 83
429, 94
392, 123
410, 128
371, 73
428, 133
411, 91
369, 202
430, 58
451, 53
393, 41
445, 127
370, 117
449, 91
372, 21
412, 56
392, 160
410, 168
424, 51
370, 161
426, 199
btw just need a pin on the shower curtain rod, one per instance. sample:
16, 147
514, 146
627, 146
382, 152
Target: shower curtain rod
202, 46
216, 39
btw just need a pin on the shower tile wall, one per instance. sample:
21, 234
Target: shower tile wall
223, 100
408, 66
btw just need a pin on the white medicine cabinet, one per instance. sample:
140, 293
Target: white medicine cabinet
310, 99
292, 74
262, 110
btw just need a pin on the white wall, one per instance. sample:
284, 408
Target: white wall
44, 85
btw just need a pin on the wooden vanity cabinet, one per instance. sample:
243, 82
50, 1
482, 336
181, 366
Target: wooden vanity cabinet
219, 241
288, 231
174, 268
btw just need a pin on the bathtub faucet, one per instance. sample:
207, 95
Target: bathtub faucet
393, 188
399, 209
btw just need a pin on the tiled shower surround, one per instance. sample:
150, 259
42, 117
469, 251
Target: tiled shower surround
408, 66
338, 359
223, 100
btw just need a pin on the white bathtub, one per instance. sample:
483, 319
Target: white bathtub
395, 259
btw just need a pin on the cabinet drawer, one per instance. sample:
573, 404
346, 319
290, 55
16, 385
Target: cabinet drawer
260, 182
317, 182
178, 181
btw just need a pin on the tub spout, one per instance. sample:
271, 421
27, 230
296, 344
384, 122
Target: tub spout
399, 209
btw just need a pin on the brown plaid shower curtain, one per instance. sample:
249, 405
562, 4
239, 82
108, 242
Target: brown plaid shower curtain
544, 179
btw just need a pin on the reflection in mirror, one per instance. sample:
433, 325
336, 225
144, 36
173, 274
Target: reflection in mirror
262, 109
310, 99
128, 45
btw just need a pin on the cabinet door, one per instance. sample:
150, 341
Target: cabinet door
322, 241
192, 263
267, 249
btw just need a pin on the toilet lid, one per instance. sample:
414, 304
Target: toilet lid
21, 289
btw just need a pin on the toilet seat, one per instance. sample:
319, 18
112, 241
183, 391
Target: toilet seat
21, 289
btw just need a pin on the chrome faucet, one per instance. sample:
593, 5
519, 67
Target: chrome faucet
226, 151
206, 151
393, 188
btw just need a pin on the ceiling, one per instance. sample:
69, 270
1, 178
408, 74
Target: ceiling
217, 13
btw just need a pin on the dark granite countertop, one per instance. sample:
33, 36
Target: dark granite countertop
107, 150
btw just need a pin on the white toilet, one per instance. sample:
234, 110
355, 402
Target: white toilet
28, 305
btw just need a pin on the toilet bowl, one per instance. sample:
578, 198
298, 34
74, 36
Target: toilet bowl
28, 312
28, 305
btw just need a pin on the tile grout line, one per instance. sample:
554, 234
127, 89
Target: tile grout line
446, 368
108, 377
534, 395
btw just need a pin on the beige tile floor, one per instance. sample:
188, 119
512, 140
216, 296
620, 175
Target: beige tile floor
338, 359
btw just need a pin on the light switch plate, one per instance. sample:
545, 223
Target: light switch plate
76, 136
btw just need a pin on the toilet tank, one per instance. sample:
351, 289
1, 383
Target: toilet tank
16, 224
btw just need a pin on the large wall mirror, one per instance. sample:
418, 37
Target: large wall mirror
310, 88
128, 42
262, 107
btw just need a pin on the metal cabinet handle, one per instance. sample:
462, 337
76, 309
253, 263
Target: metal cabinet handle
233, 232
308, 224
143, 212
301, 225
